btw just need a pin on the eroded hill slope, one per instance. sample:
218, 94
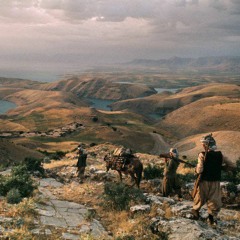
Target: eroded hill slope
100, 88
166, 102
205, 115
11, 153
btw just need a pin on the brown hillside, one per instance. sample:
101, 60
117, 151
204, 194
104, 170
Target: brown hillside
45, 109
205, 115
10, 152
4, 92
100, 88
19, 83
227, 141
167, 102
7, 125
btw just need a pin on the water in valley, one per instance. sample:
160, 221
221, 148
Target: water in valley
100, 103
5, 106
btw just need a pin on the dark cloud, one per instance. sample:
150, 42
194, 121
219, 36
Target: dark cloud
67, 33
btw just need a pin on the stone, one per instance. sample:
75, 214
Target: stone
158, 200
140, 208
45, 182
182, 229
53, 221
97, 230
160, 212
70, 236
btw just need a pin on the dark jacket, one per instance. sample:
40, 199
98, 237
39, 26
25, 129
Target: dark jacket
212, 166
82, 158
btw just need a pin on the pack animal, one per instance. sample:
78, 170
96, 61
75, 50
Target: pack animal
134, 167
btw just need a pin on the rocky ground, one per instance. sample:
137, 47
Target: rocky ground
70, 210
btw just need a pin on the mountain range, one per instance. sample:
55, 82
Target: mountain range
223, 63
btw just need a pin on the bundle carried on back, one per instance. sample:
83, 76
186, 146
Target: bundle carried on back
122, 152
120, 157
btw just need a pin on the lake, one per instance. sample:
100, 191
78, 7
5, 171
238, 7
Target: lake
104, 104
160, 90
5, 106
100, 104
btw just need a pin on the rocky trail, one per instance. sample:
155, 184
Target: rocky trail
72, 219
70, 210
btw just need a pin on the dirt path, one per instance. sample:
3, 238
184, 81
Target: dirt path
160, 145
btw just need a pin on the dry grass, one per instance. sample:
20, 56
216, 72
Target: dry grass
119, 223
61, 163
23, 215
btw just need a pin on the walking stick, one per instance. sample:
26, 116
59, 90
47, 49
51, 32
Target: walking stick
197, 181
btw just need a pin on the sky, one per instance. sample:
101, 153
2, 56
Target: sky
39, 38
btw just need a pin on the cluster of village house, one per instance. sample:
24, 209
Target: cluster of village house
58, 132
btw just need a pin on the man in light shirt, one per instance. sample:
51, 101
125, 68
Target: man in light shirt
210, 164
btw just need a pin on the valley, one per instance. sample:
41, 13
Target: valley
147, 112
128, 108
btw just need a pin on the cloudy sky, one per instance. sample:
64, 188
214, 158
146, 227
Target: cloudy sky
63, 36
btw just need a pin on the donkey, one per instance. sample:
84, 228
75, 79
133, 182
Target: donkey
134, 167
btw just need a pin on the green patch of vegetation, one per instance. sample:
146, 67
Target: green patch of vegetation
13, 196
20, 179
231, 187
152, 171
186, 178
54, 155
118, 196
233, 175
33, 164
4, 165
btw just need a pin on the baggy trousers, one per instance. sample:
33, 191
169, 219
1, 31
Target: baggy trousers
169, 184
208, 192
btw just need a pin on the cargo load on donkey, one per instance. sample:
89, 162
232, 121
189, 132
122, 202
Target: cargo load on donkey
123, 160
121, 157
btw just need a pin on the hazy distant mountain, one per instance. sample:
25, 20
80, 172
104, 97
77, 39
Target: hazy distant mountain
202, 63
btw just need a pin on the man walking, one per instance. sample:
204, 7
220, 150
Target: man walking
81, 163
210, 163
170, 179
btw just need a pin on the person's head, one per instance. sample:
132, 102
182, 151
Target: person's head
80, 146
129, 151
208, 142
174, 152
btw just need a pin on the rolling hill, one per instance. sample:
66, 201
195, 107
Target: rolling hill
10, 152
227, 141
166, 102
99, 88
205, 115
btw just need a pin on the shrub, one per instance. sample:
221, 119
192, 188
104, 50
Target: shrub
119, 195
95, 119
193, 162
233, 175
19, 179
231, 187
188, 177
56, 156
33, 164
14, 196
152, 171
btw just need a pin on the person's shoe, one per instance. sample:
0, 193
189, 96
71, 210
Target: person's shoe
211, 220
195, 214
